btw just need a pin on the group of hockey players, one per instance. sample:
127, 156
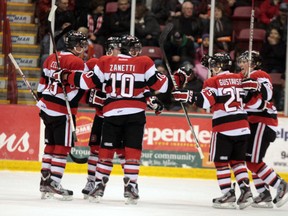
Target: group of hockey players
118, 85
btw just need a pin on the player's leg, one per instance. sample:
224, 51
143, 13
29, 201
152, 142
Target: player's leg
111, 135
218, 147
94, 143
237, 163
63, 141
132, 140
264, 175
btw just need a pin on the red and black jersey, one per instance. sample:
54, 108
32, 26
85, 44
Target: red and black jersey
224, 93
260, 107
125, 78
52, 98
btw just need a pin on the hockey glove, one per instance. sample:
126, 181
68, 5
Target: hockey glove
60, 75
251, 85
183, 96
96, 98
181, 77
155, 104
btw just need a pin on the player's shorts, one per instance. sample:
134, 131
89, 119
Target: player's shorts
58, 130
126, 128
95, 136
224, 148
259, 141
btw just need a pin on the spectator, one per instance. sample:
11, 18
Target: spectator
89, 50
279, 94
160, 8
42, 10
280, 22
63, 15
273, 52
147, 29
93, 20
188, 24
269, 10
119, 22
180, 50
222, 29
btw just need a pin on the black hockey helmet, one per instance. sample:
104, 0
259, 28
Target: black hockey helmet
220, 60
112, 43
256, 59
130, 45
74, 38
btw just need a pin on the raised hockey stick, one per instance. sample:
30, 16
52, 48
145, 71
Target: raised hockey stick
168, 28
23, 76
251, 39
50, 19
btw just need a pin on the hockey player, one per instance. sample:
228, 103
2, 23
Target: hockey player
97, 98
223, 93
126, 76
262, 117
53, 111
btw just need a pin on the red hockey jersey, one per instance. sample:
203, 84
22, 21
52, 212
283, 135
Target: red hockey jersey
51, 93
268, 115
224, 94
125, 78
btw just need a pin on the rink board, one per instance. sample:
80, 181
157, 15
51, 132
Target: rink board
168, 146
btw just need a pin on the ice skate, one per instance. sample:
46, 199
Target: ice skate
57, 191
227, 201
282, 194
88, 188
45, 175
263, 200
98, 192
246, 197
130, 191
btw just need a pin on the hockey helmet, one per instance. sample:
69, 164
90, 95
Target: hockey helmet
256, 59
74, 38
130, 45
111, 44
220, 60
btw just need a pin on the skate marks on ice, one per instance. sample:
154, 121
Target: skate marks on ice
20, 195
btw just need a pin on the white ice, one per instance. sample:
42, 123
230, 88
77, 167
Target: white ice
20, 196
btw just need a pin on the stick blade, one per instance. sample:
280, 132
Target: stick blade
163, 36
52, 13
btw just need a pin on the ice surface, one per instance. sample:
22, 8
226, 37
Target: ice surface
19, 195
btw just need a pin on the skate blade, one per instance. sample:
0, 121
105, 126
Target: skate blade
46, 195
248, 202
282, 201
85, 196
224, 205
262, 205
62, 197
95, 199
131, 201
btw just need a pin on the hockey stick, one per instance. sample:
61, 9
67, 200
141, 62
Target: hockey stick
50, 19
168, 28
23, 76
251, 39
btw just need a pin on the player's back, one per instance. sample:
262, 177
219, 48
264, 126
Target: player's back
126, 79
229, 116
